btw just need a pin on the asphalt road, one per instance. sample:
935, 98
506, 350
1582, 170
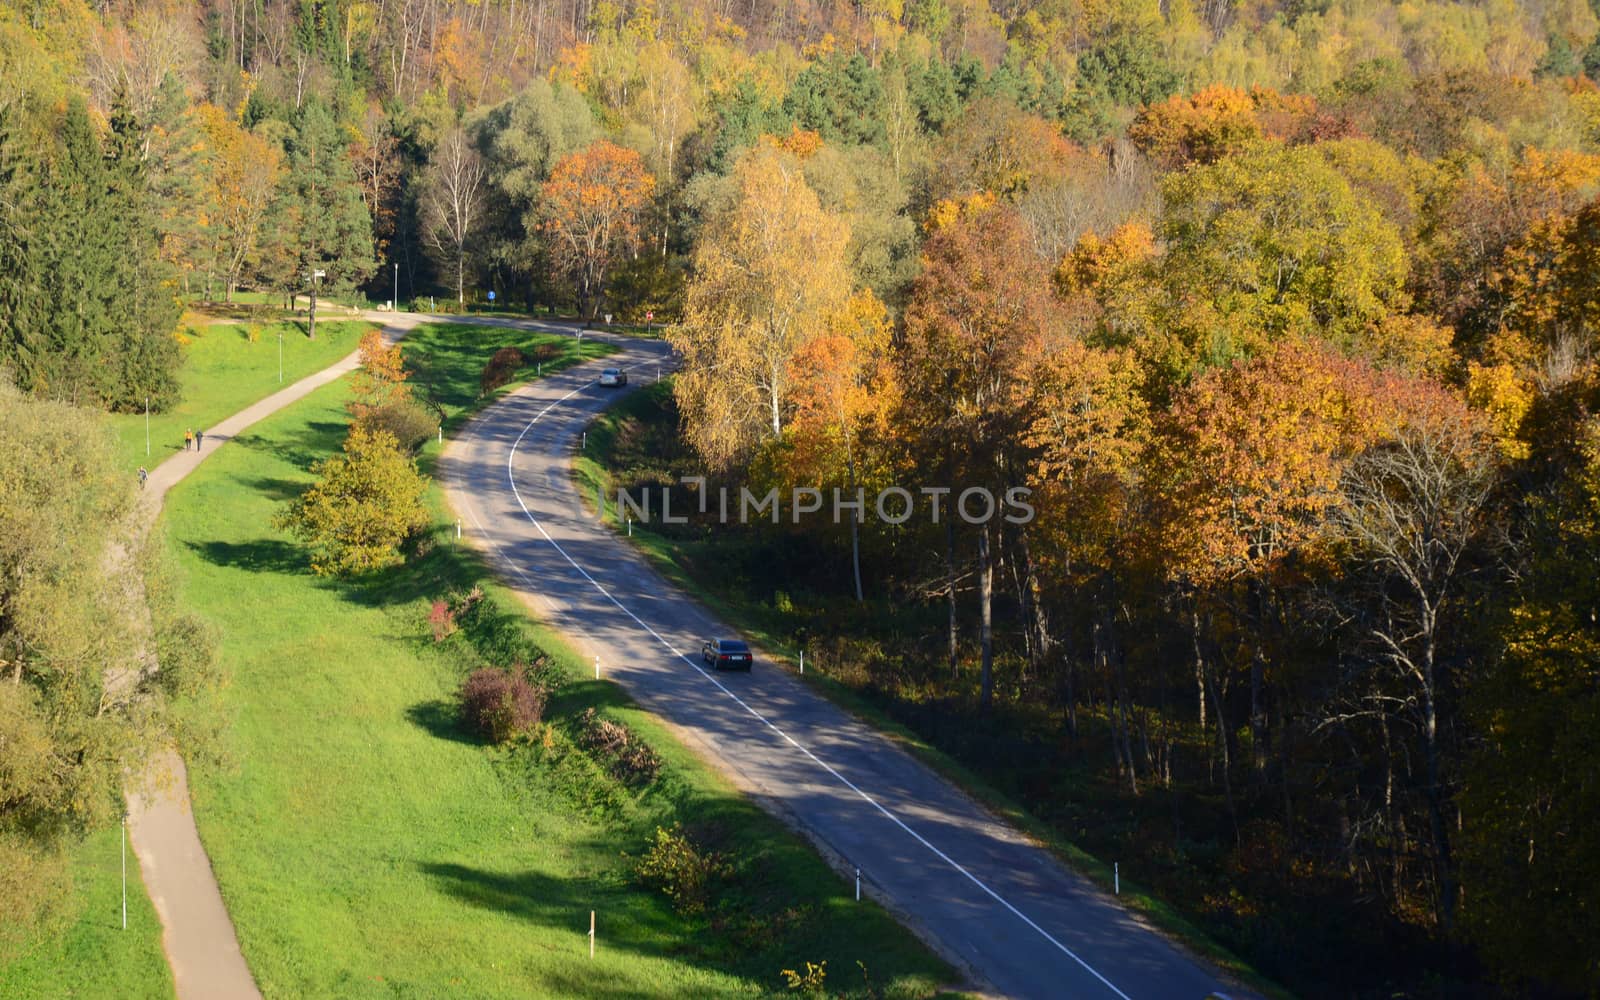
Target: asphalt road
1018, 922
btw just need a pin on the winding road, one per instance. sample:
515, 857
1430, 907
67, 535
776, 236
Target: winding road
1017, 921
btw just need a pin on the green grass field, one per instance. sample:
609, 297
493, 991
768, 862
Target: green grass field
367, 848
223, 372
92, 956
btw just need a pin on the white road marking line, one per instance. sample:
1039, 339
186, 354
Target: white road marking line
512, 480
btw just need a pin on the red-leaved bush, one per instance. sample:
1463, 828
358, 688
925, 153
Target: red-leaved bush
499, 704
507, 361
442, 619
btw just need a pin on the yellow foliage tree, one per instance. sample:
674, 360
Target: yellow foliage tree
769, 275
242, 178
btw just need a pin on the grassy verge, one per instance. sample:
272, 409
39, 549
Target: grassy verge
367, 847
614, 443
223, 372
92, 955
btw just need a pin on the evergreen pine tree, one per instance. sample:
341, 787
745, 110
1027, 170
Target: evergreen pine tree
333, 228
89, 307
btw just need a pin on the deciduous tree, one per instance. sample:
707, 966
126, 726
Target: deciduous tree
845, 391
1274, 242
243, 172
593, 205
1412, 504
982, 296
365, 503
769, 274
453, 203
82, 702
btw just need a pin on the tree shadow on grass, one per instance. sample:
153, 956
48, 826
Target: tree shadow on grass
264, 555
440, 719
319, 439
277, 488
446, 566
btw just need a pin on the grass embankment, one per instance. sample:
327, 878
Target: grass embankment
635, 442
90, 955
223, 372
367, 847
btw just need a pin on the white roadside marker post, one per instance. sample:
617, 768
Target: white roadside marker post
458, 527
1116, 878
802, 661
597, 667
591, 933
858, 885
124, 872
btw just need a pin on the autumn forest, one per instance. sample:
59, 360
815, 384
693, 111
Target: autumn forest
1284, 311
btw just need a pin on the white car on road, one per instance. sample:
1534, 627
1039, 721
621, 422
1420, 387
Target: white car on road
613, 376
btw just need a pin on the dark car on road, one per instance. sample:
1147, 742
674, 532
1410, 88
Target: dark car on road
726, 654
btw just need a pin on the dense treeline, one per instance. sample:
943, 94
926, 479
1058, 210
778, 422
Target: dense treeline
1282, 310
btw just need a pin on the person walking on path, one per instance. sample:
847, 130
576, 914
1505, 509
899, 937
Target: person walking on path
199, 439
143, 476
188, 439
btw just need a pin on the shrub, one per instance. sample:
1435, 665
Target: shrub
407, 421
505, 364
630, 760
681, 870
500, 704
813, 980
442, 620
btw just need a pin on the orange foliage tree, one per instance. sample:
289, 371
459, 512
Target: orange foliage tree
1247, 465
593, 203
845, 390
983, 295
381, 379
